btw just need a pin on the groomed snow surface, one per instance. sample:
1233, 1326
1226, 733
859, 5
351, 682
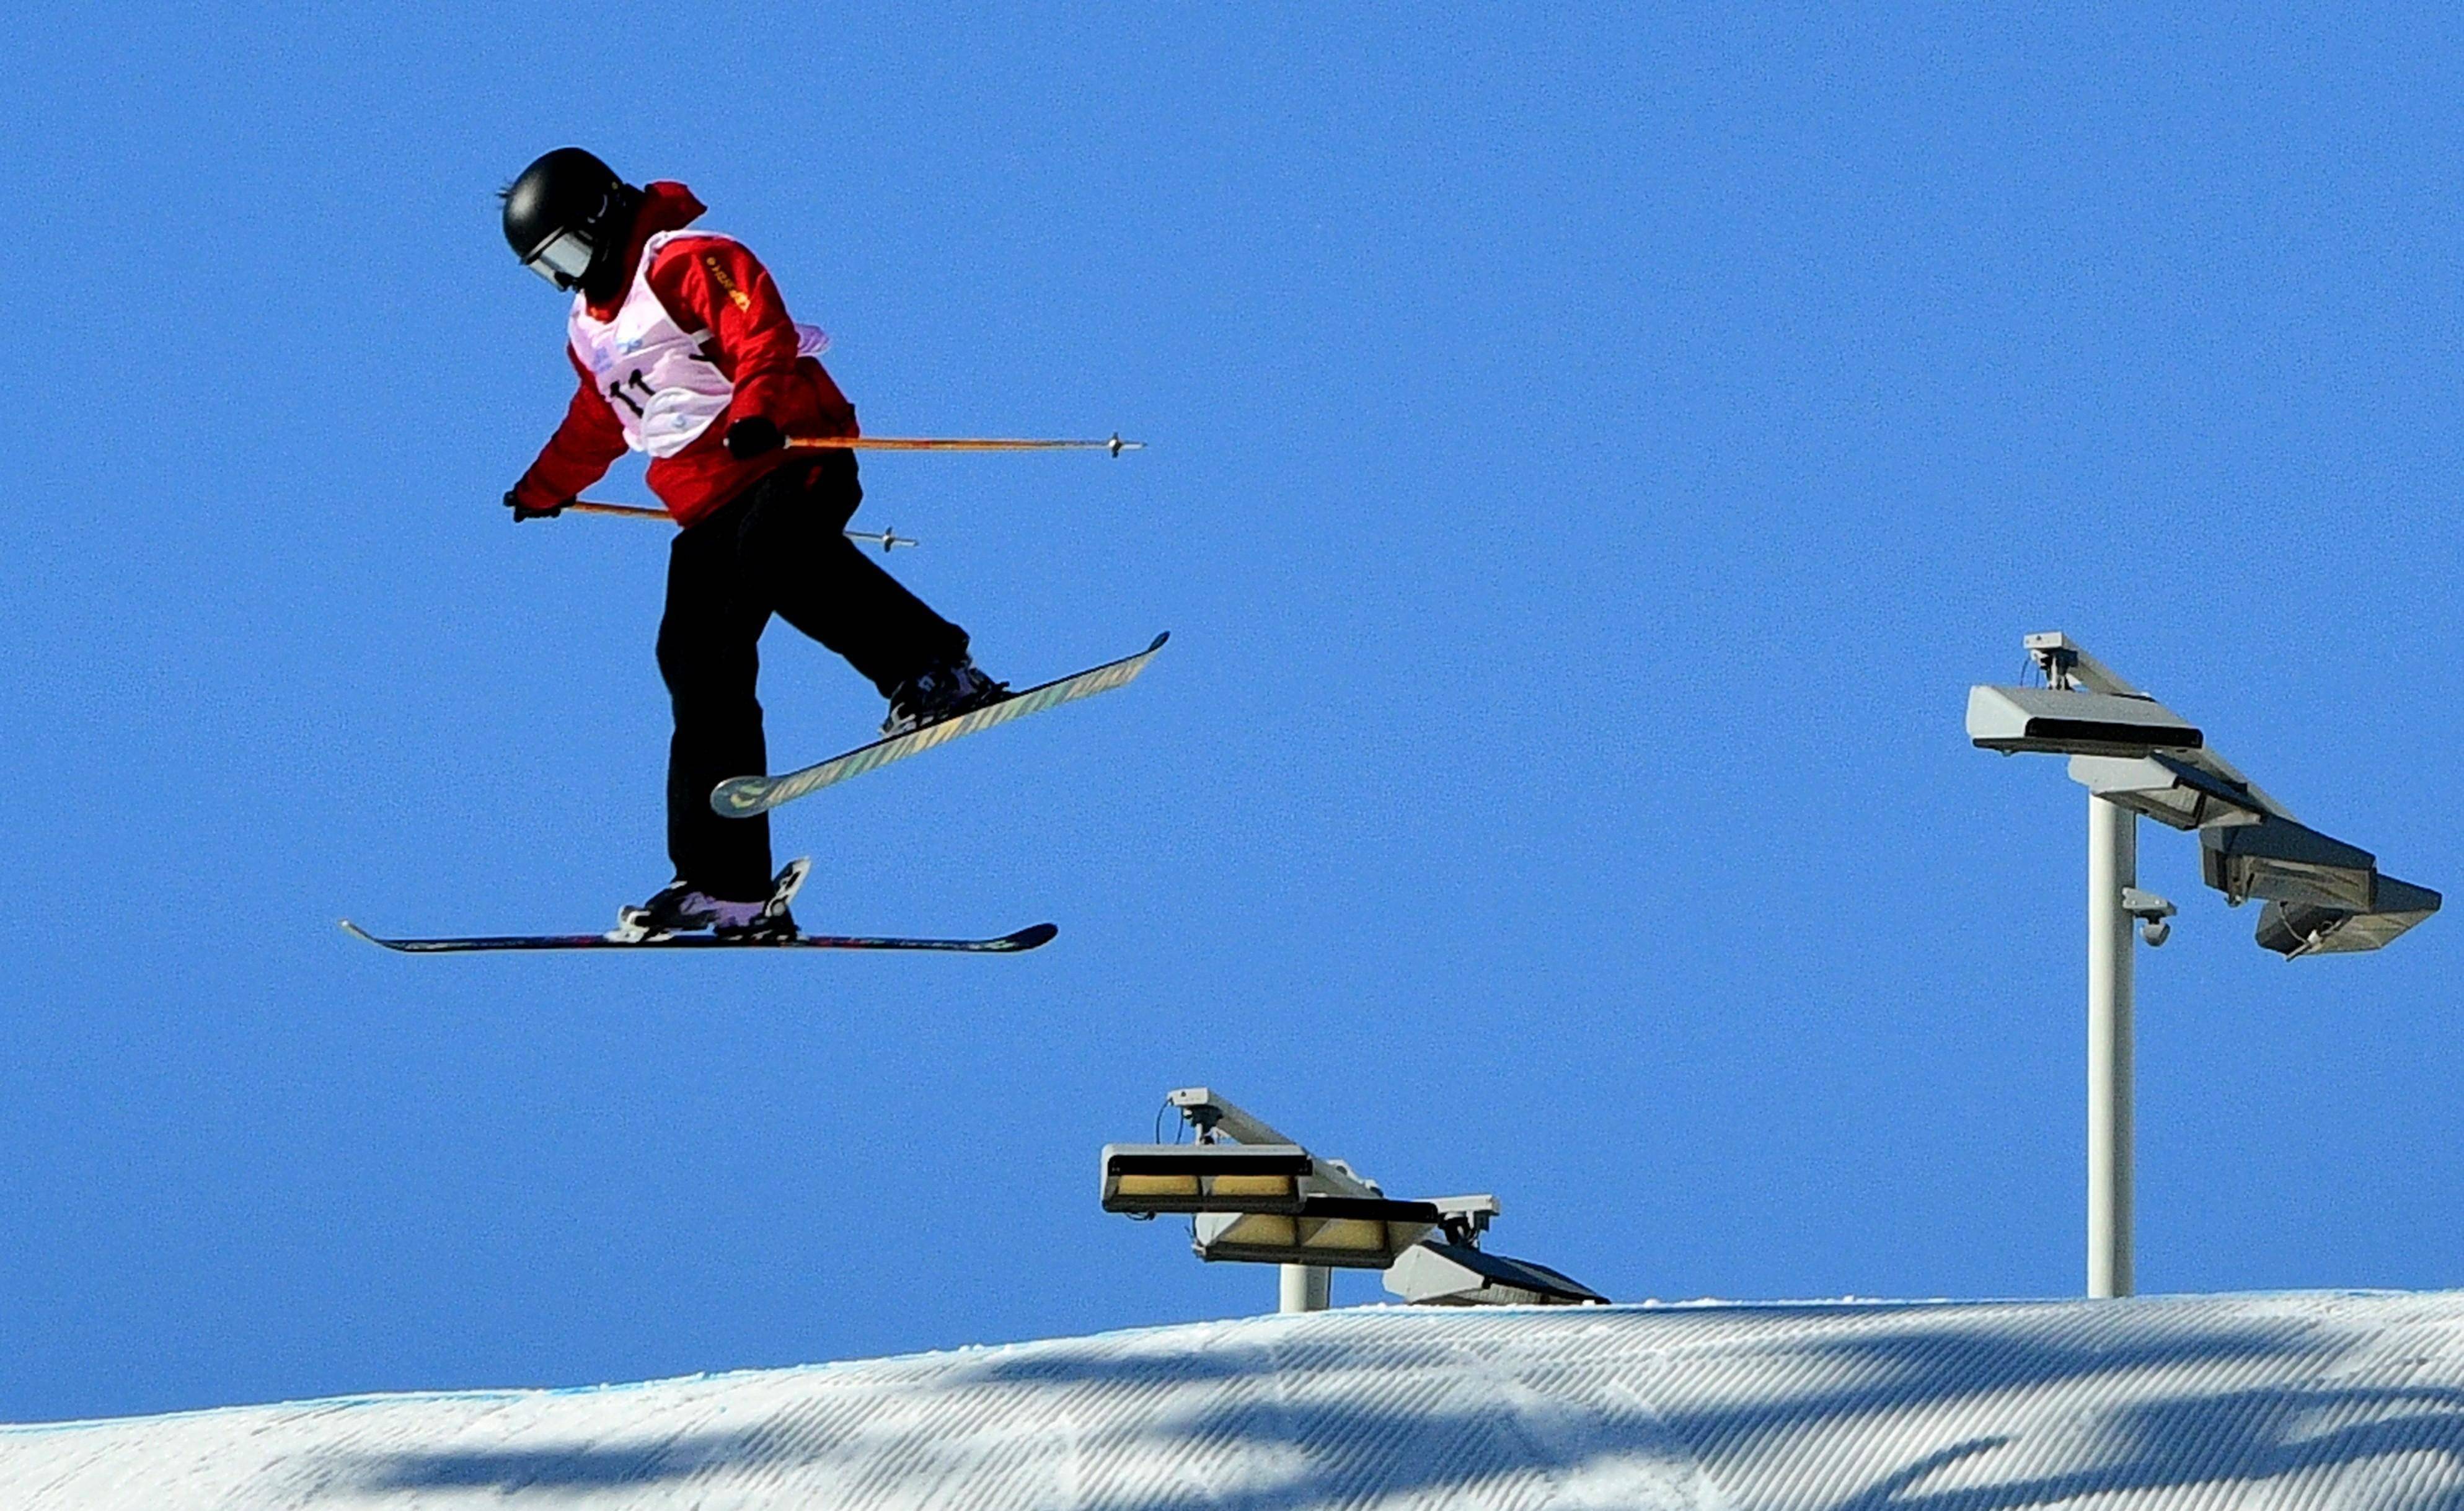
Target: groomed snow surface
2294, 1401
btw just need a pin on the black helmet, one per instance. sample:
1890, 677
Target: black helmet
567, 216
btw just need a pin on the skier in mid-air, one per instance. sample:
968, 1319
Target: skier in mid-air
685, 351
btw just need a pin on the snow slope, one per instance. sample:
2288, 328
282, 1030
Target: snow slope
2292, 1401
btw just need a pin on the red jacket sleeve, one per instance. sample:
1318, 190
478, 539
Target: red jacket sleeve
721, 286
579, 454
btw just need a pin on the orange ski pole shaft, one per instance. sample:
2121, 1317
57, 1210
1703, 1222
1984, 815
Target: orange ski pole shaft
934, 442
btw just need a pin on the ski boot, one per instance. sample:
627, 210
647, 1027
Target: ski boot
940, 692
675, 909
680, 908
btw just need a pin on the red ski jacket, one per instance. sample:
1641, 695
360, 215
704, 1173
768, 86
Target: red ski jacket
712, 284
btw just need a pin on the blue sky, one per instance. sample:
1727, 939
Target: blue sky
1591, 454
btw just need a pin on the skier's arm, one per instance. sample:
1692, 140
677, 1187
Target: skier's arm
579, 454
721, 286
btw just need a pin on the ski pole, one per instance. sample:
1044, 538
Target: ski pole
933, 443
587, 505
886, 539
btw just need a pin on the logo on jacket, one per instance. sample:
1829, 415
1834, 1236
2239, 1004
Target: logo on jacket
718, 275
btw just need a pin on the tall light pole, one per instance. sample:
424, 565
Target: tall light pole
2138, 758
2112, 865
2112, 962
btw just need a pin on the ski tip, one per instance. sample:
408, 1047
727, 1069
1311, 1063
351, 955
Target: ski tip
1158, 643
358, 932
1032, 937
741, 797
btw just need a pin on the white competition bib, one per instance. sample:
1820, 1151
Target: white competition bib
653, 373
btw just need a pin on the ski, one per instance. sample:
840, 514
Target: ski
1025, 939
632, 933
743, 796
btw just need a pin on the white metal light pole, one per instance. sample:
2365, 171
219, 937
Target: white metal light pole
1307, 1287
2116, 908
2112, 866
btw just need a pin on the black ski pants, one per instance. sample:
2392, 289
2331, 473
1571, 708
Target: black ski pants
775, 548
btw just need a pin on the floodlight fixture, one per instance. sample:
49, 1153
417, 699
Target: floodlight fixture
2299, 929
2052, 721
2139, 759
1143, 1180
1435, 1273
2179, 789
2287, 861
1346, 1233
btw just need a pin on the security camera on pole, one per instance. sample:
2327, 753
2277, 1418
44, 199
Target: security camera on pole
2137, 756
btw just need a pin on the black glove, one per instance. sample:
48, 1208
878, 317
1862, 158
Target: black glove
521, 512
754, 436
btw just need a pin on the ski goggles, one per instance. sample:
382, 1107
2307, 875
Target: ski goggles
562, 259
